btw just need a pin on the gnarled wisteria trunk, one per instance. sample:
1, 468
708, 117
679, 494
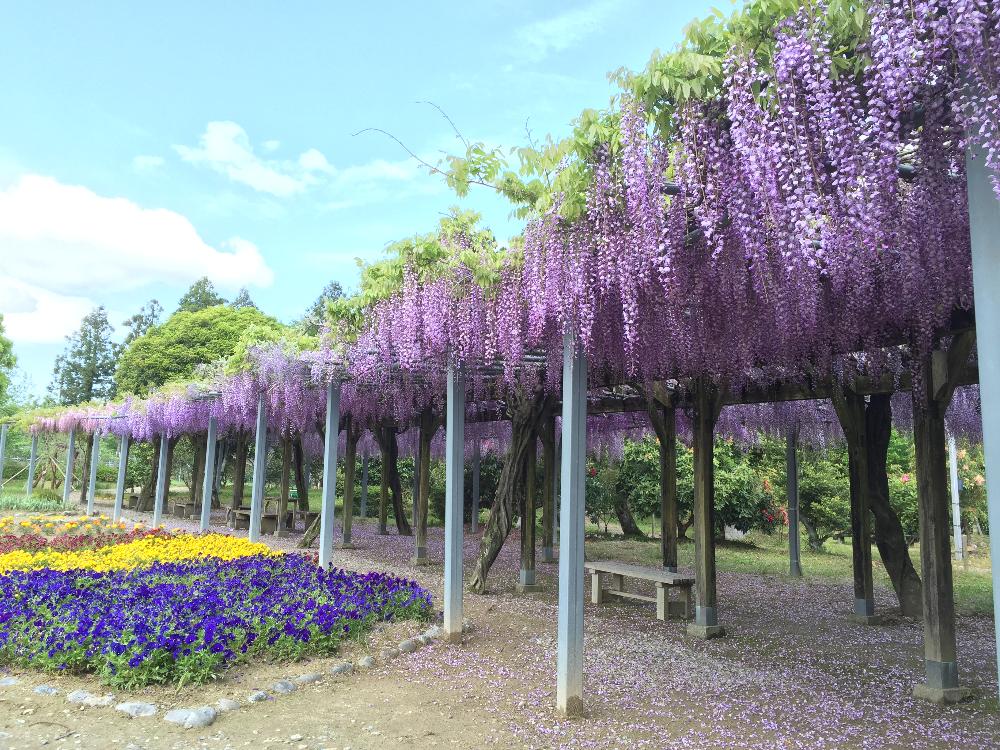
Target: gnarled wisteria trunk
84, 481
301, 485
428, 422
240, 467
385, 434
889, 537
526, 411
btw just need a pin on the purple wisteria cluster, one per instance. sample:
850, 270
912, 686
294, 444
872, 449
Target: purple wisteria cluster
185, 622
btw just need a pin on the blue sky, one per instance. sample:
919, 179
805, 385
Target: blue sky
144, 146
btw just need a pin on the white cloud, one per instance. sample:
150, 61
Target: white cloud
539, 39
225, 147
34, 315
68, 240
271, 145
146, 163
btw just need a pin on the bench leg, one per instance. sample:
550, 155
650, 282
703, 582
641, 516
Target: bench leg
662, 601
596, 592
617, 582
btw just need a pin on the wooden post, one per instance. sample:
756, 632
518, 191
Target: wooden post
526, 581
70, 457
850, 408
956, 504
259, 470
32, 462
708, 402
548, 435
930, 401
329, 502
364, 484
92, 484
284, 488
162, 481
984, 226
350, 469
792, 497
569, 683
116, 514
454, 498
476, 459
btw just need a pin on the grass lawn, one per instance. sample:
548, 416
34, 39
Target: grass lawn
767, 554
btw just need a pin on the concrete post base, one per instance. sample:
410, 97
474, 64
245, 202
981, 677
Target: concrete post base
573, 708
453, 638
419, 561
528, 588
705, 632
941, 696
346, 545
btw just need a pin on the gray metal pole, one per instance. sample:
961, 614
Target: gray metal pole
476, 463
70, 450
364, 485
569, 687
556, 491
116, 514
95, 455
956, 506
792, 494
206, 491
984, 225
162, 482
259, 471
3, 448
328, 509
454, 516
32, 461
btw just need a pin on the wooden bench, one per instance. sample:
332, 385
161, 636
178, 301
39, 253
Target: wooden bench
307, 517
663, 580
182, 508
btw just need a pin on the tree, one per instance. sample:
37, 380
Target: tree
316, 314
7, 362
85, 370
140, 323
242, 300
201, 295
187, 339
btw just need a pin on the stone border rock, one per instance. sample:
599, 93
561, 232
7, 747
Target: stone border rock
203, 716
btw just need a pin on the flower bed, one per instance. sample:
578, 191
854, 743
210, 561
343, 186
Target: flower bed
183, 622
143, 550
37, 542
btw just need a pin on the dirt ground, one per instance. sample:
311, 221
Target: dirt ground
793, 672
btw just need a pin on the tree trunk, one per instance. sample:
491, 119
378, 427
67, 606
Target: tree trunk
240, 467
301, 485
85, 479
385, 434
199, 443
547, 435
148, 490
351, 436
889, 537
664, 422
283, 491
526, 413
428, 423
815, 541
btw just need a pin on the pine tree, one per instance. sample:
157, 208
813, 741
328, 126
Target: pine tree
316, 314
243, 300
202, 294
140, 323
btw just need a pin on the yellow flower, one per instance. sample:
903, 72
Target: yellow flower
137, 554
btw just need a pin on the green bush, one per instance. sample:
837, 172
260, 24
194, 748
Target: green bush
41, 501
